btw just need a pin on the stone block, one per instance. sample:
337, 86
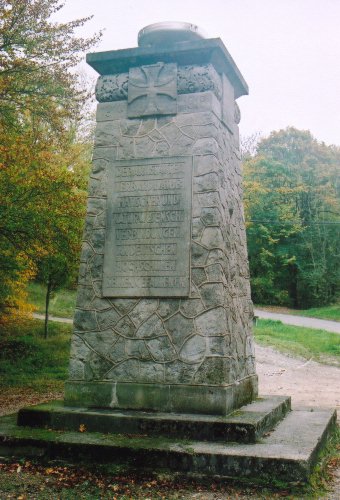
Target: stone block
112, 87
193, 349
143, 310
179, 328
212, 322
161, 349
212, 294
199, 102
206, 182
85, 320
90, 394
109, 111
197, 398
151, 328
191, 308
107, 134
142, 396
125, 370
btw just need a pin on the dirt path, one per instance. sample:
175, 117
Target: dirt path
52, 318
308, 382
290, 319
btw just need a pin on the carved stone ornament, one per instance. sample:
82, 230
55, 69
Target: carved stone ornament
112, 87
199, 79
189, 79
152, 90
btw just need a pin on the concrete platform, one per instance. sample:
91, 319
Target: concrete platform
245, 425
288, 453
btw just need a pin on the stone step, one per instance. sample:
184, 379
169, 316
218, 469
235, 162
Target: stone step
245, 425
288, 453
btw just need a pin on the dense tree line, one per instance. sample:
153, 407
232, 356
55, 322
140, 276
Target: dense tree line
43, 160
292, 203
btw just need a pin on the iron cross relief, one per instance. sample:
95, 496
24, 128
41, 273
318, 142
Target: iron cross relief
152, 90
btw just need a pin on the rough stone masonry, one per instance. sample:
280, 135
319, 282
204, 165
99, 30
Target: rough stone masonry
164, 316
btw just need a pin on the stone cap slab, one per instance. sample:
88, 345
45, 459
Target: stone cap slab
198, 52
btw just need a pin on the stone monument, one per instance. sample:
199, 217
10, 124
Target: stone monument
162, 350
164, 316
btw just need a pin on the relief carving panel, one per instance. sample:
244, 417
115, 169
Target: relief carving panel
152, 90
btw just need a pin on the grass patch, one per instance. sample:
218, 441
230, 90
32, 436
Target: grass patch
328, 462
328, 312
28, 360
62, 302
306, 342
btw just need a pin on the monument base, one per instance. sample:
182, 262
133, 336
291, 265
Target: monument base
246, 425
287, 453
203, 399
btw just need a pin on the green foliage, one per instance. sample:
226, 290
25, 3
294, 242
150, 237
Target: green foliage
28, 360
307, 342
62, 303
293, 208
43, 163
54, 272
36, 55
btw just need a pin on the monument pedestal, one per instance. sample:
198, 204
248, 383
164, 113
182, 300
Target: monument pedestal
163, 319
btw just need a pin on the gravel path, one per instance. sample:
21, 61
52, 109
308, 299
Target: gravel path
289, 319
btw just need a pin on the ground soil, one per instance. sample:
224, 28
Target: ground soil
308, 383
12, 399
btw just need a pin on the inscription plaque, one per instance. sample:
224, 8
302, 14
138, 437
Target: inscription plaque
148, 229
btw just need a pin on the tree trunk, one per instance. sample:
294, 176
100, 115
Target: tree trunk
293, 279
47, 303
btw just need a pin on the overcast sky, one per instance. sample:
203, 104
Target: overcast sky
287, 50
